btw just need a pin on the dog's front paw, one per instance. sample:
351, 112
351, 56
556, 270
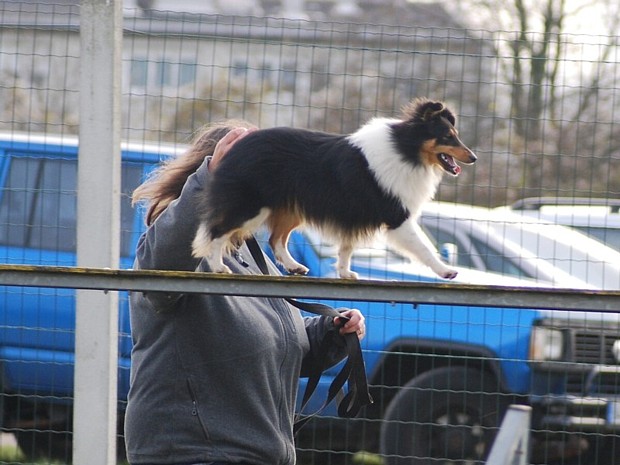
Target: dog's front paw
443, 271
449, 274
298, 270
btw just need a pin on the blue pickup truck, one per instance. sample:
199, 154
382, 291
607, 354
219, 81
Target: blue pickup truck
441, 376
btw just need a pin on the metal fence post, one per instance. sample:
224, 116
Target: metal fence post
98, 218
512, 444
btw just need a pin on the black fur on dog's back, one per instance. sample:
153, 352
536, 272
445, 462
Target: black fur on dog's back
320, 176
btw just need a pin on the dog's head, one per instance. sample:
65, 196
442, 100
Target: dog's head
429, 125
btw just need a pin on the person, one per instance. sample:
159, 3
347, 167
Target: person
214, 378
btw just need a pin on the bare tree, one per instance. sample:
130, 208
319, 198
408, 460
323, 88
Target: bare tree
556, 82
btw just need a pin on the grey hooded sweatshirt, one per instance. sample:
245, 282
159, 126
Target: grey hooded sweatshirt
213, 378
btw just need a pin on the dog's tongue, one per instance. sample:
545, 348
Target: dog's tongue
449, 164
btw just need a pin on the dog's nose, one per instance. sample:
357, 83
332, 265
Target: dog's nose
472, 157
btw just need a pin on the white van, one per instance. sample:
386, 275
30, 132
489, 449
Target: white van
501, 241
597, 217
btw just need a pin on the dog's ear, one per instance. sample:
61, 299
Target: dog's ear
425, 111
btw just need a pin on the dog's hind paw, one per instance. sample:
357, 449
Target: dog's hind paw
221, 269
348, 274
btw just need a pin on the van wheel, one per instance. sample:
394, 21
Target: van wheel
446, 415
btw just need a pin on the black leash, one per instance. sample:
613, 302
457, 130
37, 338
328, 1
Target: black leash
353, 371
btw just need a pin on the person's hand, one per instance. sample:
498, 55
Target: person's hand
355, 324
226, 142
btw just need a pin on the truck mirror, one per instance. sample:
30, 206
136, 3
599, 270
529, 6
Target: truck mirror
449, 253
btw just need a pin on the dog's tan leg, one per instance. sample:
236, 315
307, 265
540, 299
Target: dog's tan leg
410, 239
281, 224
344, 261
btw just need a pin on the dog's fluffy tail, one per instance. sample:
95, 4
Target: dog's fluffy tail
201, 245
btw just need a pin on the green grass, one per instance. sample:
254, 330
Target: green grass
367, 458
12, 455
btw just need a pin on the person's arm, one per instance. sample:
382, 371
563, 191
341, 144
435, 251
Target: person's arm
167, 243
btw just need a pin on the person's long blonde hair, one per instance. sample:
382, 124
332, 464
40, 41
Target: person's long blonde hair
166, 182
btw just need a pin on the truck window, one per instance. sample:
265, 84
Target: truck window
38, 204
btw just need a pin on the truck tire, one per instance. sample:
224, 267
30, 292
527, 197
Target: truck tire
604, 450
41, 435
44, 436
446, 415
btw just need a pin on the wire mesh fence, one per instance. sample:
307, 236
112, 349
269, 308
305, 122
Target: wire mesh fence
539, 108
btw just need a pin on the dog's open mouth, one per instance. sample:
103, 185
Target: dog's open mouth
448, 164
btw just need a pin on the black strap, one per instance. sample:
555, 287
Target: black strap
353, 371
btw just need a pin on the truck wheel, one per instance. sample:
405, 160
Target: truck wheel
41, 435
604, 450
36, 445
446, 415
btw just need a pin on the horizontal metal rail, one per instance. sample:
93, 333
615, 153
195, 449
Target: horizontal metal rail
310, 288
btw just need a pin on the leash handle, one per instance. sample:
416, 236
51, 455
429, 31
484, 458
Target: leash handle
353, 371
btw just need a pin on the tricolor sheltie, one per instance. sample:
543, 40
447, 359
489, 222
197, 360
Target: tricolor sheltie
347, 186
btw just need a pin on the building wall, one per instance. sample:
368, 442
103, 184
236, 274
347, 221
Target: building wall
180, 71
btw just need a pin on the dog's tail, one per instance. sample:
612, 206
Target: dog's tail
201, 245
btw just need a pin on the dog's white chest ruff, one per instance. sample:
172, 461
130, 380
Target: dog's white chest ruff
412, 185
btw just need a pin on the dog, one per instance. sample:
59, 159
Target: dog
347, 186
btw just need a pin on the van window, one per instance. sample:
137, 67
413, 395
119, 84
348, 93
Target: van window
609, 236
498, 262
38, 204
